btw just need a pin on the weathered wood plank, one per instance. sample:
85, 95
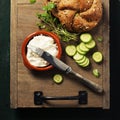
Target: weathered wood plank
13, 55
106, 67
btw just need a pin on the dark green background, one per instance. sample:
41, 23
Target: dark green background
34, 114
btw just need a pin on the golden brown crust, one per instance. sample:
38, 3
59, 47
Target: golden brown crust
66, 18
78, 15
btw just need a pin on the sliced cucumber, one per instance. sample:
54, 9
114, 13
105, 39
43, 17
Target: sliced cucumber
90, 44
97, 57
100, 39
79, 50
81, 61
83, 47
86, 37
85, 63
70, 50
96, 73
78, 56
78, 53
57, 78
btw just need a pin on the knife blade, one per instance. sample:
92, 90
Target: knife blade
66, 68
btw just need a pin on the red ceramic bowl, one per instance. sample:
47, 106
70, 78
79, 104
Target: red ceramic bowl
24, 49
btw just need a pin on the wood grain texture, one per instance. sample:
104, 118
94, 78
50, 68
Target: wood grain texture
106, 66
24, 82
13, 55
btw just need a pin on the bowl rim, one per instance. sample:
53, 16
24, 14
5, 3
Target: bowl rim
26, 41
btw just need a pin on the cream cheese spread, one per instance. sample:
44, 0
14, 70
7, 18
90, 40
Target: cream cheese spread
44, 42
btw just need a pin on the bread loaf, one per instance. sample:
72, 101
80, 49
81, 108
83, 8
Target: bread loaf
78, 15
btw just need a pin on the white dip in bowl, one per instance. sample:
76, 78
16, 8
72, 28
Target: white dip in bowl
44, 42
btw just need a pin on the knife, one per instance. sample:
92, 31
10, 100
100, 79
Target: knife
65, 68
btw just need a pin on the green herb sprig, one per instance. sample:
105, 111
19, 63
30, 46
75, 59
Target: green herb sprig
32, 1
51, 23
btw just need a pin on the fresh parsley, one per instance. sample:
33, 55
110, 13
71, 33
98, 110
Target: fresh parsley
32, 1
51, 23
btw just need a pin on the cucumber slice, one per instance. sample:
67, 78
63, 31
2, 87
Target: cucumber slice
57, 78
85, 63
90, 44
100, 39
79, 50
81, 61
86, 37
78, 56
96, 73
70, 50
97, 57
83, 47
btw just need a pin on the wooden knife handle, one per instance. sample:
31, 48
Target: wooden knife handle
92, 85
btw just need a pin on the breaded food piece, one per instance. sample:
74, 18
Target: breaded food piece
78, 15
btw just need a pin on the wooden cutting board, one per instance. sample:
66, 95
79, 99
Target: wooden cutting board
23, 82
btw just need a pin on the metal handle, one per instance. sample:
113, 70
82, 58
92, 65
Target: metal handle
39, 98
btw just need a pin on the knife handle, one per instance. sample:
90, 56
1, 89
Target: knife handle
92, 85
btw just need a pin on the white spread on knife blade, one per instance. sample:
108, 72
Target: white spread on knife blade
44, 42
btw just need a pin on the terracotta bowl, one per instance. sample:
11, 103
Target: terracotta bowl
24, 49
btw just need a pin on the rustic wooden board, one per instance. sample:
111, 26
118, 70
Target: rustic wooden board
23, 82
